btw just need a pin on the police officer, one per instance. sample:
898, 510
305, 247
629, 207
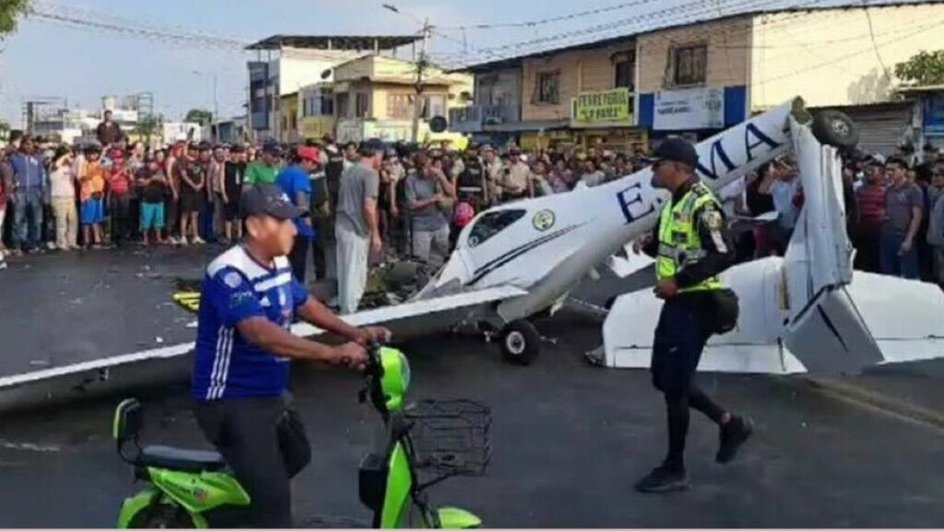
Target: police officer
249, 300
691, 249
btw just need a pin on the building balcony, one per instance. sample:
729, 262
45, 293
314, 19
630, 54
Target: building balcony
474, 118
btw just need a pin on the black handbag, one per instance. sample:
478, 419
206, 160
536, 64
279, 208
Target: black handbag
727, 310
293, 442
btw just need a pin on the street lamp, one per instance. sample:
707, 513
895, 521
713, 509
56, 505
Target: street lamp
216, 100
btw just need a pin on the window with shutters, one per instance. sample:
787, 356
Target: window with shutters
625, 71
547, 88
361, 105
399, 106
434, 105
344, 104
690, 65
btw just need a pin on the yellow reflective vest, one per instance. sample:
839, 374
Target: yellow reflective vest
679, 243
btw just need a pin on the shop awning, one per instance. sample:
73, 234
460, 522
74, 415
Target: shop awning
533, 125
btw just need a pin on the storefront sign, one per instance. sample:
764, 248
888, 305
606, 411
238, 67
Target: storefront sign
934, 115
603, 106
688, 109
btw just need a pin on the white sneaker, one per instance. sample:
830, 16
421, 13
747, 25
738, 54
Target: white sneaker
182, 241
198, 240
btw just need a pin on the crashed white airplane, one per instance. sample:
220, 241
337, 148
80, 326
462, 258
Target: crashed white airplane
520, 259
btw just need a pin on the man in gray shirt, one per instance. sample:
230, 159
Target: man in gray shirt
429, 197
356, 225
904, 208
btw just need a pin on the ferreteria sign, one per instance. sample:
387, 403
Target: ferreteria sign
602, 107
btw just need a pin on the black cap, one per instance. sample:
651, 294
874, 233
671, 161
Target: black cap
678, 150
272, 148
269, 200
372, 146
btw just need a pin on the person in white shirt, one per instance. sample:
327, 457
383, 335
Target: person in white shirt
62, 197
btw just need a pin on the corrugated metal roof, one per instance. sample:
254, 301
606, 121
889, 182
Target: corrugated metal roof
806, 6
334, 42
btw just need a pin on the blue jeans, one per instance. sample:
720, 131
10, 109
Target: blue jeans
903, 265
27, 232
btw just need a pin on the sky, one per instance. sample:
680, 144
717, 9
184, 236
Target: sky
81, 64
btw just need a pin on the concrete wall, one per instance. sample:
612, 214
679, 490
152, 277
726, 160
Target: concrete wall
500, 87
828, 57
288, 118
580, 70
728, 54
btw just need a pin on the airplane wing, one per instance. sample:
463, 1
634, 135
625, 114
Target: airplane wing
418, 317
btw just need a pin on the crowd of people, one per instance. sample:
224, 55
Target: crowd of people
112, 193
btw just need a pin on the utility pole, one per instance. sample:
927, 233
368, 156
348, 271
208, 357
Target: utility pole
421, 66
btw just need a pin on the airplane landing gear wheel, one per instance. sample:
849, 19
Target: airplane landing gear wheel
836, 129
520, 342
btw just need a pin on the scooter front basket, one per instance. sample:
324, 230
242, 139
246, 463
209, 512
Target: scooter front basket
450, 437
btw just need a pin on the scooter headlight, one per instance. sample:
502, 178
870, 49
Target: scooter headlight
396, 377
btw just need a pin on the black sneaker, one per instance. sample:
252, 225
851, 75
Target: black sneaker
663, 479
732, 436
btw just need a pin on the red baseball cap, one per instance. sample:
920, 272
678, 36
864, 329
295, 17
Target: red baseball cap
309, 153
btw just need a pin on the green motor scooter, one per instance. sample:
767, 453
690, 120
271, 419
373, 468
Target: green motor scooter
422, 445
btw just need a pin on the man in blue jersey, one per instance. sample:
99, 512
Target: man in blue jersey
243, 349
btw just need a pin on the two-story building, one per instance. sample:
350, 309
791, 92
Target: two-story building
700, 76
286, 63
374, 97
316, 110
581, 95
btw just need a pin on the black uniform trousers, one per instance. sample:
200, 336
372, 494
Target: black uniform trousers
680, 337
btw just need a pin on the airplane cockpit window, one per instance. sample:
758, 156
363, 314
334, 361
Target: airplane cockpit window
491, 224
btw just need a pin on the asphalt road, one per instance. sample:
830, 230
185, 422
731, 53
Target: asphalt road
568, 441
66, 308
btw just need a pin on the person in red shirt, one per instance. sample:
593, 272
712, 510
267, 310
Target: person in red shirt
119, 198
871, 199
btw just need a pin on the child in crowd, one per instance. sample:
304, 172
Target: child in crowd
92, 197
119, 199
153, 184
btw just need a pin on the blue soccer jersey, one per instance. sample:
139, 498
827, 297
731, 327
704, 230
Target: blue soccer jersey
236, 287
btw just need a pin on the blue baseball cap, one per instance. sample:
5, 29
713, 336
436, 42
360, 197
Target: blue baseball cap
269, 200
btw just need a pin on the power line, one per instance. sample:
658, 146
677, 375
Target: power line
868, 16
921, 29
660, 15
549, 20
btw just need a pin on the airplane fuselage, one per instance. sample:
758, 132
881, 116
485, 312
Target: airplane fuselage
546, 245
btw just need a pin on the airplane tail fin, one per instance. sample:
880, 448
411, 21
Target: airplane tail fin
834, 326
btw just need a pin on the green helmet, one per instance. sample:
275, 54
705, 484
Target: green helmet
396, 377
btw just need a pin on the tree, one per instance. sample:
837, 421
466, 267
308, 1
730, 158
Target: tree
10, 12
200, 116
149, 125
4, 130
925, 68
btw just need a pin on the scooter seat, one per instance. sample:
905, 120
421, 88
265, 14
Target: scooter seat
181, 459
